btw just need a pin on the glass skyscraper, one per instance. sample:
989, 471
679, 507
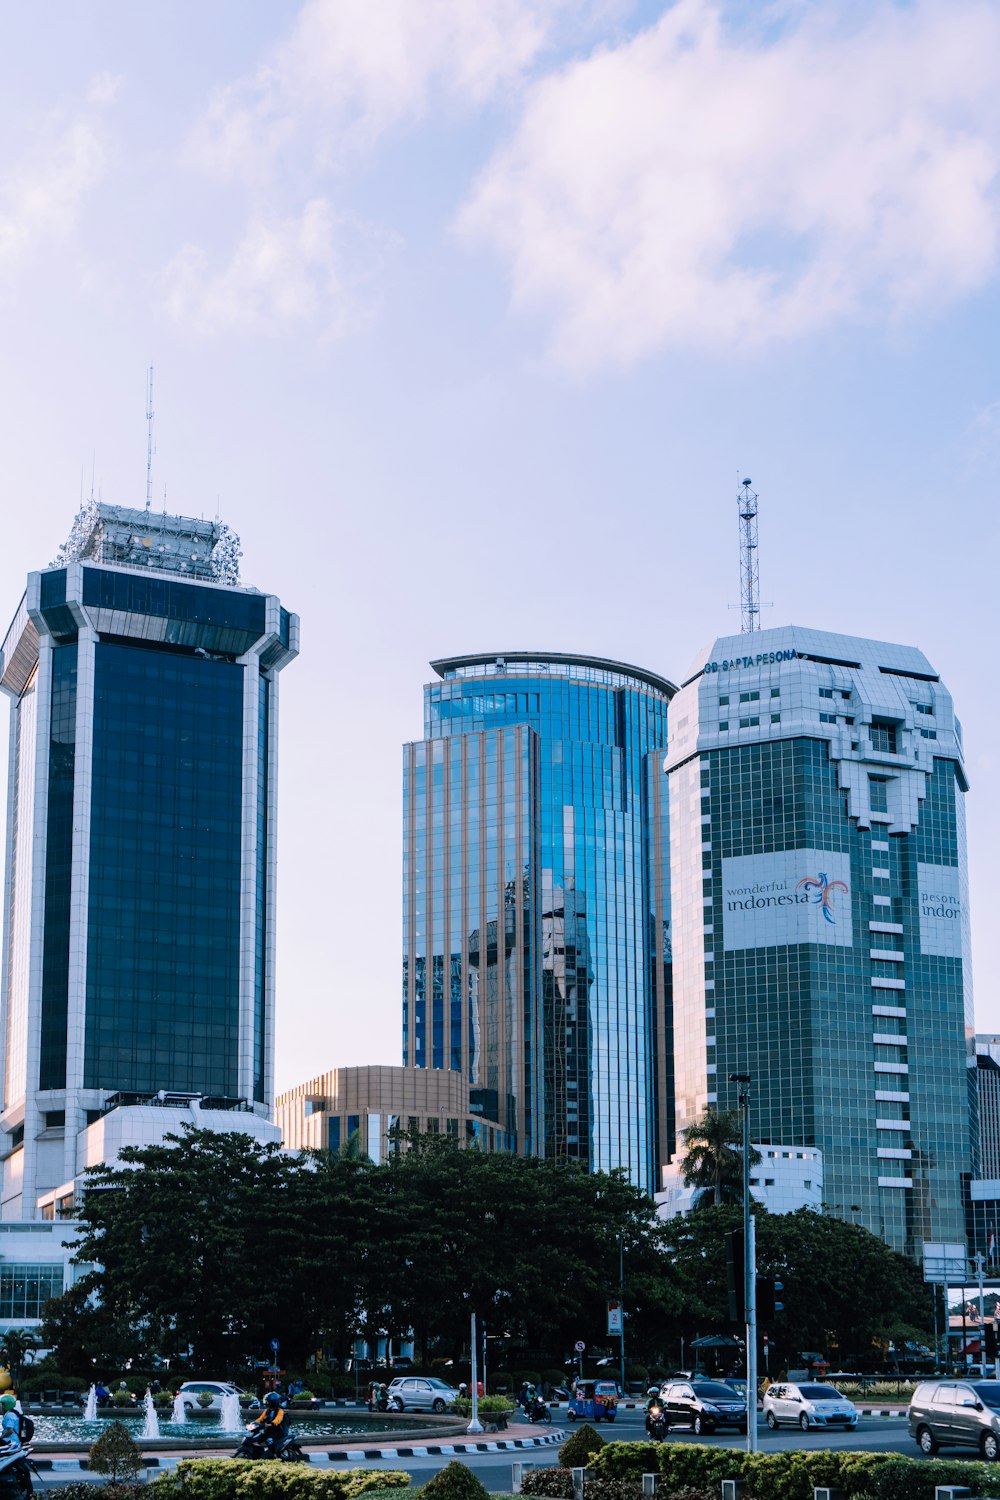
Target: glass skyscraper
138, 917
536, 955
818, 879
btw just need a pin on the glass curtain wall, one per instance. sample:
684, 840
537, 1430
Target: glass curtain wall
536, 903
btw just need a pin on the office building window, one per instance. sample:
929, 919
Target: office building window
883, 736
24, 1289
828, 718
749, 697
826, 692
878, 794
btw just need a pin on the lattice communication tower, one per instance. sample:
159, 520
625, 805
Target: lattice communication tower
749, 576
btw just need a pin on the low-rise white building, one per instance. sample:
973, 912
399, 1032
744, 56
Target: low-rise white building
788, 1178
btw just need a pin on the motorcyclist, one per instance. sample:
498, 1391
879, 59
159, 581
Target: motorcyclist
527, 1396
270, 1427
10, 1423
653, 1398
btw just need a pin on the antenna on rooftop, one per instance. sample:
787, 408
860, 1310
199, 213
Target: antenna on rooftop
149, 441
750, 605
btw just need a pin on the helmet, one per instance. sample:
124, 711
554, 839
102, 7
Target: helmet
272, 1399
7, 1401
654, 1390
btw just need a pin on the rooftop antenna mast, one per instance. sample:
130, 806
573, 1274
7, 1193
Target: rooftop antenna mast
749, 576
149, 441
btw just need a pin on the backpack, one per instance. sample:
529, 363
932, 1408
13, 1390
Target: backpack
25, 1427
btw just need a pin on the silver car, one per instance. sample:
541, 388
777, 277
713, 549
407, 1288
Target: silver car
808, 1405
422, 1393
192, 1389
956, 1413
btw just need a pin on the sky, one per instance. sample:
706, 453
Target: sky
469, 316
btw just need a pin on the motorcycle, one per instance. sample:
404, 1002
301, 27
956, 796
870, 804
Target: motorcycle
538, 1411
258, 1444
16, 1470
656, 1423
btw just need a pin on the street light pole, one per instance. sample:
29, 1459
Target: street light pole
475, 1425
749, 1265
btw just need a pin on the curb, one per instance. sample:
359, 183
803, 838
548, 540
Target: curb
423, 1450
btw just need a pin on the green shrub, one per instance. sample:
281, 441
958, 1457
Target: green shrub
519, 1377
695, 1465
245, 1479
115, 1454
454, 1482
122, 1398
557, 1483
488, 1405
578, 1450
917, 1479
81, 1490
162, 1399
621, 1460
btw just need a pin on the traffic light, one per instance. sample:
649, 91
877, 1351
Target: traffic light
990, 1341
769, 1294
735, 1276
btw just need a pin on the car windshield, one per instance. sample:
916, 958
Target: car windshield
819, 1393
709, 1388
989, 1393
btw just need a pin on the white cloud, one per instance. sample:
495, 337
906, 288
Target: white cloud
285, 272
351, 69
41, 196
693, 186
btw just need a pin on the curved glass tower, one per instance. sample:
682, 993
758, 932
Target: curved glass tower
536, 945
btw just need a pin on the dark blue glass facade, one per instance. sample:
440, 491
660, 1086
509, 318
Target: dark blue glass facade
535, 904
58, 868
165, 859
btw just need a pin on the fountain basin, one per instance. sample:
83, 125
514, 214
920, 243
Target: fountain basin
68, 1434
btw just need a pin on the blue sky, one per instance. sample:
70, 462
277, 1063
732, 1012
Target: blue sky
468, 315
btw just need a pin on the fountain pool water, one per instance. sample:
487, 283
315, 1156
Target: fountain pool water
150, 1425
345, 1425
230, 1419
90, 1410
179, 1413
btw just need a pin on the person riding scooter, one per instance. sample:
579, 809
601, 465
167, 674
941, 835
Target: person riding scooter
10, 1423
270, 1428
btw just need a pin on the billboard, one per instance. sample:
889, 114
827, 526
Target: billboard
792, 896
940, 895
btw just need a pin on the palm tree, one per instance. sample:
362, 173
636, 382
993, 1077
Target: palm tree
713, 1157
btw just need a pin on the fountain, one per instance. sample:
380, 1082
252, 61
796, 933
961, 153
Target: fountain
90, 1410
231, 1419
179, 1413
151, 1426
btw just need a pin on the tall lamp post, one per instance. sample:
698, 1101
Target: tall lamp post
749, 1265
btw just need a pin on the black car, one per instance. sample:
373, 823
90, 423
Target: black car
703, 1405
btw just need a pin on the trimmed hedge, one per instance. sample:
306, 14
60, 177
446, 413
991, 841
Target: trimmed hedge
579, 1449
249, 1479
791, 1475
556, 1483
455, 1481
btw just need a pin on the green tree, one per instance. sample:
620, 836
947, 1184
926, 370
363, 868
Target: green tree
713, 1155
844, 1288
115, 1453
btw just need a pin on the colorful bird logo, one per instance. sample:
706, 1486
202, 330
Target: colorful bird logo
824, 889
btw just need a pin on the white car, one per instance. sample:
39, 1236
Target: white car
806, 1406
422, 1393
192, 1389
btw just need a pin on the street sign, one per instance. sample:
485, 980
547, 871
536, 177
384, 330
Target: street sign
274, 1346
945, 1264
579, 1346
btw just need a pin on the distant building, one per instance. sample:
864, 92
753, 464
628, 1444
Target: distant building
818, 875
536, 918
987, 1086
138, 925
366, 1108
787, 1179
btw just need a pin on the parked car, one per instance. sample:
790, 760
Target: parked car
402, 1362
702, 1405
808, 1405
956, 1413
192, 1389
422, 1393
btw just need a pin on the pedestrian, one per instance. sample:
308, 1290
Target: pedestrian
370, 1397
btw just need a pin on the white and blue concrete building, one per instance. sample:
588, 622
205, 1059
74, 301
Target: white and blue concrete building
819, 916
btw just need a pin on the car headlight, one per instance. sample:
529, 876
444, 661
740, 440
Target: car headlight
709, 1406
